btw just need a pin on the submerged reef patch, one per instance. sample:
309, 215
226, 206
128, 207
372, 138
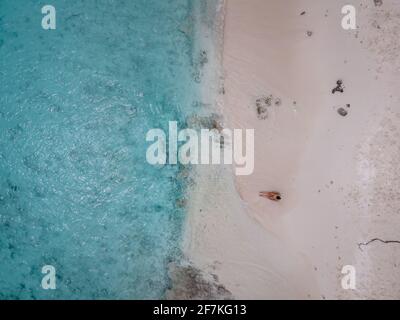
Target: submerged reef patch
190, 283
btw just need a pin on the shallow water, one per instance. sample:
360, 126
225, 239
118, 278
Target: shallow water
75, 104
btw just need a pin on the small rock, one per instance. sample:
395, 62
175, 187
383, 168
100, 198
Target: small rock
343, 112
339, 87
378, 3
309, 33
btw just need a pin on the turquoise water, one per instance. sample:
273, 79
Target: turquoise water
75, 104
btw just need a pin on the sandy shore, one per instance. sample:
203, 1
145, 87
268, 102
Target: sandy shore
338, 174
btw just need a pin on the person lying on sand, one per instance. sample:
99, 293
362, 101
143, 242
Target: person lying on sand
271, 195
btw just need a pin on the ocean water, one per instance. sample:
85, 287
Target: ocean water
76, 191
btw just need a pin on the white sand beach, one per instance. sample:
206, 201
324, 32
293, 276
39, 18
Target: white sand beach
338, 174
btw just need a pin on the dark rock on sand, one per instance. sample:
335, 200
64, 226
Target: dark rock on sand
339, 87
343, 112
265, 102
